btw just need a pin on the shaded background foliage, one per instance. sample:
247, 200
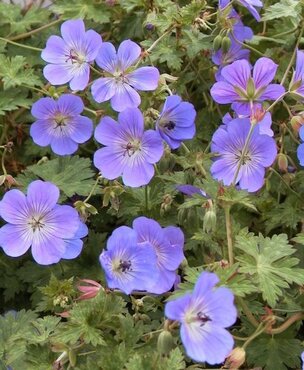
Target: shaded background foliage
113, 331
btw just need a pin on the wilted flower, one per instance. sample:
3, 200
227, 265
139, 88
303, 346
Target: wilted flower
191, 190
238, 87
176, 121
53, 231
204, 314
128, 266
130, 151
236, 358
168, 244
71, 55
60, 124
122, 80
250, 161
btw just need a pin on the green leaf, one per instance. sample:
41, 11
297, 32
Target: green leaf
269, 264
15, 72
90, 9
12, 99
73, 175
284, 8
275, 352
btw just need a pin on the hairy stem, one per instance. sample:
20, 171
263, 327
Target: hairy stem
229, 234
20, 45
36, 30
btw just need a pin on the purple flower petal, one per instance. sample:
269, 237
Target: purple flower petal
209, 343
44, 108
93, 43
15, 240
73, 248
81, 79
68, 104
55, 50
152, 146
175, 310
125, 97
272, 92
299, 72
40, 132
47, 250
81, 129
63, 145
103, 89
223, 92
127, 54
73, 33
237, 74
144, 78
13, 207
42, 196
300, 154
62, 221
58, 74
132, 121
110, 163
264, 71
107, 130
107, 58
138, 173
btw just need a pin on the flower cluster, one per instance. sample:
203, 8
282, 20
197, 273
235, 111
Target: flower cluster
36, 220
144, 257
204, 314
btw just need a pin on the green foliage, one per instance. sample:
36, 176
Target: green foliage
268, 262
284, 8
14, 72
73, 175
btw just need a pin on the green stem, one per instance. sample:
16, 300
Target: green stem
160, 38
244, 151
21, 45
2, 162
229, 234
91, 111
92, 190
147, 198
276, 101
285, 183
260, 330
293, 55
247, 46
185, 148
247, 312
96, 71
36, 30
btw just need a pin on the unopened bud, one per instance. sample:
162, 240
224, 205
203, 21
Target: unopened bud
217, 43
72, 357
282, 162
236, 358
165, 342
209, 220
226, 43
296, 123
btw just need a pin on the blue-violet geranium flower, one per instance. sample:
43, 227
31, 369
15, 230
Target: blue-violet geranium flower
71, 55
59, 124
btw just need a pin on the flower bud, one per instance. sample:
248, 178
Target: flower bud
165, 342
236, 359
296, 122
282, 162
217, 42
209, 220
226, 43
